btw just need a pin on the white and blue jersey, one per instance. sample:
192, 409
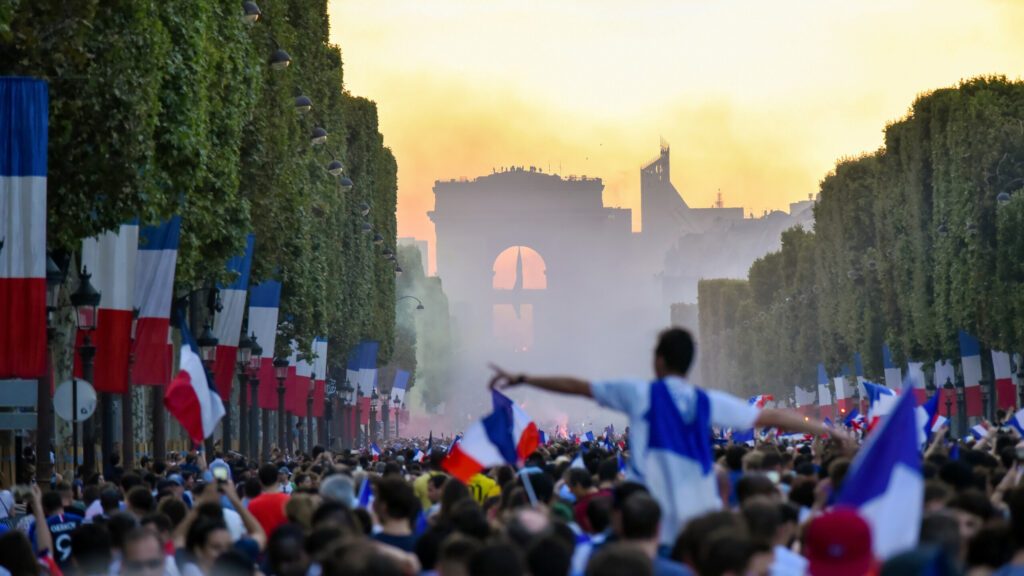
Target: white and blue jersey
670, 424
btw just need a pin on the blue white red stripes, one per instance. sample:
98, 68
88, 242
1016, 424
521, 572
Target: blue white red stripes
24, 129
154, 286
505, 436
970, 358
893, 374
824, 394
264, 299
227, 324
1006, 392
190, 397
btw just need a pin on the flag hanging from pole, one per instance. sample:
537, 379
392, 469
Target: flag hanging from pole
970, 358
190, 397
227, 324
264, 299
154, 287
24, 107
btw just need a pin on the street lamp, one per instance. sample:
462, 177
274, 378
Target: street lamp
373, 415
44, 404
359, 418
85, 301
255, 361
303, 103
330, 393
366, 228
207, 343
364, 209
1020, 379
318, 136
335, 168
419, 303
242, 359
309, 414
346, 398
346, 185
398, 270
948, 387
398, 415
281, 373
378, 239
280, 59
251, 12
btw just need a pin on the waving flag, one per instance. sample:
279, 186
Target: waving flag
401, 383
542, 438
110, 258
881, 401
854, 420
970, 358
824, 394
505, 436
418, 456
264, 299
154, 285
590, 436
979, 431
227, 324
841, 385
1006, 392
885, 482
374, 452
893, 376
455, 442
1017, 421
190, 397
915, 377
365, 498
761, 400
299, 384
24, 130
928, 419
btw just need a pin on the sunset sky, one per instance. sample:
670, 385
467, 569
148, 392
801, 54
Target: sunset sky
758, 98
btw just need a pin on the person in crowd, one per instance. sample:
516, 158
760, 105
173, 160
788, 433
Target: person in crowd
143, 555
268, 507
396, 507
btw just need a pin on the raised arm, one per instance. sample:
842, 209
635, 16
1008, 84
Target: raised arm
558, 384
786, 420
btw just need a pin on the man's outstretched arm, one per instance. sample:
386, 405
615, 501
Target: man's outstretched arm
558, 384
786, 420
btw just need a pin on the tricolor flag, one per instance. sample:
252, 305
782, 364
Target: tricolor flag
154, 286
928, 419
418, 456
190, 397
264, 299
760, 400
970, 358
505, 436
455, 442
24, 129
979, 431
946, 372
227, 324
374, 452
893, 376
824, 394
299, 383
110, 258
843, 394
542, 437
400, 384
1006, 392
881, 401
885, 482
916, 381
365, 498
319, 376
1017, 421
854, 420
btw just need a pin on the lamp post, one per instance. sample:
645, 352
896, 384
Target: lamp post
255, 360
385, 415
346, 398
948, 387
419, 303
207, 343
85, 300
309, 414
44, 403
961, 407
373, 415
243, 358
398, 414
281, 373
359, 419
1020, 381
331, 393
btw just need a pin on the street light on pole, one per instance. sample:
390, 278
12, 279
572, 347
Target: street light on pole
281, 373
398, 415
419, 303
44, 404
255, 360
242, 359
373, 415
346, 399
85, 301
207, 343
309, 413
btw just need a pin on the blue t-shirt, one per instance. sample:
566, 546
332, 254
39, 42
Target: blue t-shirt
61, 527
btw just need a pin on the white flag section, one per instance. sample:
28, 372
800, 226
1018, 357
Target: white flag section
190, 397
804, 397
885, 482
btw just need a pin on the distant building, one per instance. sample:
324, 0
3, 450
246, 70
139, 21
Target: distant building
420, 245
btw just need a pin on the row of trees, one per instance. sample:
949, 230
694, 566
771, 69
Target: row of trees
171, 107
910, 243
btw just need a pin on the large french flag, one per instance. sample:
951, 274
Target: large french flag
946, 371
881, 401
843, 394
24, 129
970, 356
401, 385
111, 259
893, 375
885, 482
154, 291
1006, 392
367, 376
319, 376
227, 324
505, 436
190, 397
264, 299
300, 372
824, 394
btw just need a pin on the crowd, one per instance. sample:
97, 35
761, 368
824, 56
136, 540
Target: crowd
668, 498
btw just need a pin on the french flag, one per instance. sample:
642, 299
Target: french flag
455, 442
970, 357
418, 456
297, 385
227, 324
264, 299
916, 380
893, 375
824, 394
979, 431
374, 451
154, 285
928, 419
365, 498
881, 401
1006, 392
111, 258
24, 108
1017, 421
854, 420
885, 483
190, 397
319, 376
945, 371
840, 383
505, 436
760, 400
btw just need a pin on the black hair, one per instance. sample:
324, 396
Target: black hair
268, 474
498, 559
548, 556
200, 532
579, 477
619, 558
52, 501
90, 547
640, 517
675, 348
397, 498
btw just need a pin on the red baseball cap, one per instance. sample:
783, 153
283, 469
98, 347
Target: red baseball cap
838, 543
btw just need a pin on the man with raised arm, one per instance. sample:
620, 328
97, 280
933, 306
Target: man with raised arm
670, 423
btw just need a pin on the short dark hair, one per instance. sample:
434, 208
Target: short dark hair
549, 556
640, 517
158, 521
498, 559
397, 498
90, 547
751, 485
200, 531
619, 558
268, 474
52, 501
675, 348
141, 499
579, 477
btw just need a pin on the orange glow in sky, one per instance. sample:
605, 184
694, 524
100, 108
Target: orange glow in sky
758, 98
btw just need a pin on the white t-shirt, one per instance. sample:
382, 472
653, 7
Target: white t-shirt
682, 479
